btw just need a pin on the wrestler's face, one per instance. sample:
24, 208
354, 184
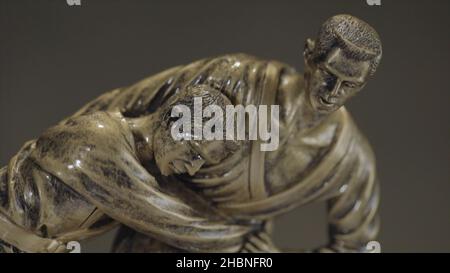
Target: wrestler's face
180, 156
175, 157
334, 80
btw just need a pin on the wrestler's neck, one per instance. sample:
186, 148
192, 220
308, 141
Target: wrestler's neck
143, 128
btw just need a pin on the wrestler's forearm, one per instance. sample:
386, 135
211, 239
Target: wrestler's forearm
143, 207
101, 166
353, 226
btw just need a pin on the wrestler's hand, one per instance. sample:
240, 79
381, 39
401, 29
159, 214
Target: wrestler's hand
259, 242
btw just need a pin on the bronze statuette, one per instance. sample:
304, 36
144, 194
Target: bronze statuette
116, 161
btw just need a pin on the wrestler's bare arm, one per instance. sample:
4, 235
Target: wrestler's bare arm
353, 213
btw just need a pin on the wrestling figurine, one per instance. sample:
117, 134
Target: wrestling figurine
115, 161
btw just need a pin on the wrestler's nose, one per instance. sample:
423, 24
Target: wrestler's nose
336, 88
194, 166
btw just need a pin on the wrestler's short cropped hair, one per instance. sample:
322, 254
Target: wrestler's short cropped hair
209, 96
357, 39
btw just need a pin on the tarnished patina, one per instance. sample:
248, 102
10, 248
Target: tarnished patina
115, 162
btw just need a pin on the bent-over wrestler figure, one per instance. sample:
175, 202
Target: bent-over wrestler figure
115, 162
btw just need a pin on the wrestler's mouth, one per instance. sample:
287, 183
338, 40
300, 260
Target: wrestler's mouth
327, 102
177, 166
180, 166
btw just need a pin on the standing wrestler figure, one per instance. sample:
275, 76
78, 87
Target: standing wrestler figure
115, 161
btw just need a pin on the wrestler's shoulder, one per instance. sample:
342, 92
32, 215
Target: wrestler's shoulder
84, 133
232, 58
95, 121
227, 60
239, 56
360, 142
243, 57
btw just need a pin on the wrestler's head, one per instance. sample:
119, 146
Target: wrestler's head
340, 61
187, 156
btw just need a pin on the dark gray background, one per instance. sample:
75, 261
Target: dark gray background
54, 58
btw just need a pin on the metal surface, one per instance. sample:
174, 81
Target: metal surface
115, 162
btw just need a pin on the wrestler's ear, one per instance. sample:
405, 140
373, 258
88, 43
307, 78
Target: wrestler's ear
309, 49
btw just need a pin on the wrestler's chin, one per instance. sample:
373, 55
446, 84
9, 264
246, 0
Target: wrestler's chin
166, 172
316, 104
172, 168
165, 169
322, 106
